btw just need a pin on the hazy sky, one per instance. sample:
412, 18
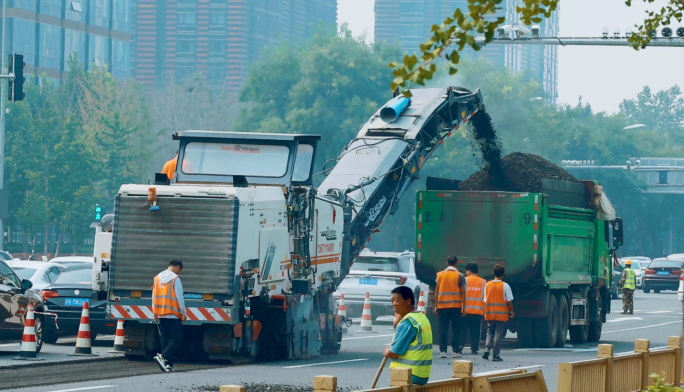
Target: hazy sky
603, 76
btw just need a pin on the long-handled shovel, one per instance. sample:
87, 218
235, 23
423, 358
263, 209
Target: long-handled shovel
377, 375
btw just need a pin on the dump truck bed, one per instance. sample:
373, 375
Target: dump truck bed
536, 242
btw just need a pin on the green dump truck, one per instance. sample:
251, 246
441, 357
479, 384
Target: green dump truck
557, 247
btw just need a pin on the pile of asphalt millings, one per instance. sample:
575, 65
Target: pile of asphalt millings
263, 387
519, 172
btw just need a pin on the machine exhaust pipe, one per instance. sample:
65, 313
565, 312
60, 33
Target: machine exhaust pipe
393, 110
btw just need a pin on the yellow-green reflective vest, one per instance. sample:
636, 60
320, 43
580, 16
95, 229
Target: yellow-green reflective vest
630, 280
418, 357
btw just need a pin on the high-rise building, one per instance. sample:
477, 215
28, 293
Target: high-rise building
175, 39
408, 22
49, 32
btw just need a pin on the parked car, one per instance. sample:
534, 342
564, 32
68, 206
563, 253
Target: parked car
15, 297
676, 256
5, 255
65, 297
617, 275
378, 273
639, 265
662, 274
39, 273
72, 260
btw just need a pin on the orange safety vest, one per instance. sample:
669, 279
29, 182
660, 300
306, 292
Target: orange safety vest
449, 293
475, 291
496, 308
170, 168
164, 300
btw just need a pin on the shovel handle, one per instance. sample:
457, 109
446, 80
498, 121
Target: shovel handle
377, 375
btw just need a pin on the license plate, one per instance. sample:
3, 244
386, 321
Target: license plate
663, 273
74, 301
368, 281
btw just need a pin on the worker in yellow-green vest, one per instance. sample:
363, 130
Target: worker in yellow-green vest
412, 343
628, 284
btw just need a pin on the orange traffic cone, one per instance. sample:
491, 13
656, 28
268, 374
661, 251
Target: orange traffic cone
397, 318
421, 303
28, 341
83, 344
366, 319
119, 338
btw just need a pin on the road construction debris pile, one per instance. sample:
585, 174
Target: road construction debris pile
263, 387
520, 173
516, 172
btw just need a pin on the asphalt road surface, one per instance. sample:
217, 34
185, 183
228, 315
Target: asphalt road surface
656, 317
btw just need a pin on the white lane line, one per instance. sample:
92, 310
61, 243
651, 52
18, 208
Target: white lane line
617, 320
368, 337
658, 311
318, 364
85, 388
8, 344
73, 339
644, 327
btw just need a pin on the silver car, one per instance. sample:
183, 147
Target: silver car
378, 273
40, 273
639, 265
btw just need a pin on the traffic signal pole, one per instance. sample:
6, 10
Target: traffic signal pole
3, 110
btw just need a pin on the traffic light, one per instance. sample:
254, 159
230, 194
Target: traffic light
98, 213
16, 86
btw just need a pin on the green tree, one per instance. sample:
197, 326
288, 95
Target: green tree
328, 86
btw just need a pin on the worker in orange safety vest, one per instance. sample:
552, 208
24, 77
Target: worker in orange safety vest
168, 307
475, 309
449, 295
498, 309
170, 167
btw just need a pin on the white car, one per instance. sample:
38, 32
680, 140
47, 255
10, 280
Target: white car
639, 265
72, 260
41, 274
378, 273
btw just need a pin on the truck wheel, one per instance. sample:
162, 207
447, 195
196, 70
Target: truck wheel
657, 291
546, 329
646, 290
525, 332
596, 327
563, 321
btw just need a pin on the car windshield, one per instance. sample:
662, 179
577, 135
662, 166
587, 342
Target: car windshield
383, 264
666, 264
75, 275
635, 265
24, 273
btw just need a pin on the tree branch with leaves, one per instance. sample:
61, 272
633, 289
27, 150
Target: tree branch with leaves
459, 31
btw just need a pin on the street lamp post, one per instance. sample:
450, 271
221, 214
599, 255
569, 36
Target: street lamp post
3, 112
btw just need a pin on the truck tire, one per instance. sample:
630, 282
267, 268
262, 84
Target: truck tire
546, 329
525, 332
563, 320
646, 290
595, 328
657, 291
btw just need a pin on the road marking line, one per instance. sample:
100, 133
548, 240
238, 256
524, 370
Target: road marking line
644, 327
367, 337
617, 320
74, 339
8, 344
318, 364
657, 311
85, 388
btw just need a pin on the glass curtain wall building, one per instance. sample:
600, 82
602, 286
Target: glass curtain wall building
409, 22
49, 32
175, 39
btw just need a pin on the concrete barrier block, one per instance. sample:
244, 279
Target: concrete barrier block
232, 388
